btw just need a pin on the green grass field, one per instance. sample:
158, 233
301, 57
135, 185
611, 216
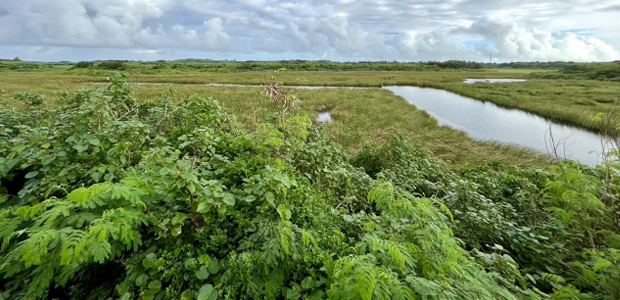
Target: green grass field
362, 116
370, 116
569, 101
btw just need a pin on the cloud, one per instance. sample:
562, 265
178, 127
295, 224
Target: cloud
340, 29
611, 8
514, 42
147, 51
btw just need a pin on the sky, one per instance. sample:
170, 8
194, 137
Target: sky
339, 30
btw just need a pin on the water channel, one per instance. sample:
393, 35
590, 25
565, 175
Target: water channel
487, 121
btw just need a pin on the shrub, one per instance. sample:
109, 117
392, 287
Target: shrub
111, 65
30, 98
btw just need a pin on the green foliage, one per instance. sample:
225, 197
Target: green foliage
106, 196
30, 99
592, 71
83, 65
111, 65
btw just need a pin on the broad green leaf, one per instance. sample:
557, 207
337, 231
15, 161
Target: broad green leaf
31, 174
207, 293
94, 142
307, 283
150, 260
191, 187
177, 230
214, 266
80, 148
204, 259
269, 197
155, 286
179, 219
250, 198
96, 176
229, 199
142, 280
292, 294
127, 296
203, 207
187, 295
202, 273
46, 161
190, 263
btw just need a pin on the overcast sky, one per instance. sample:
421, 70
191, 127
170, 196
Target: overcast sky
344, 30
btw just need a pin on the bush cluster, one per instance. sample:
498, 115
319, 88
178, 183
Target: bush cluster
106, 196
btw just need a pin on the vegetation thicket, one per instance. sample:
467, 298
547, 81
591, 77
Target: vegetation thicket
591, 71
105, 195
206, 65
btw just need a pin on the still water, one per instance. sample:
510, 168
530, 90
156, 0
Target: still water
324, 117
472, 81
487, 121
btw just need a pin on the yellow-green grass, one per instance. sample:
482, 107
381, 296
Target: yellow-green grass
524, 71
364, 116
361, 116
569, 101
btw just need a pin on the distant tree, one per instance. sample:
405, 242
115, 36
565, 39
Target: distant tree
83, 65
17, 58
111, 65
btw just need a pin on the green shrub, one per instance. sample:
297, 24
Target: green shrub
111, 65
108, 197
83, 65
30, 98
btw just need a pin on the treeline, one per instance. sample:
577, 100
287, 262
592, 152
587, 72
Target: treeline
14, 59
547, 65
18, 65
604, 71
320, 65
253, 66
199, 65
593, 71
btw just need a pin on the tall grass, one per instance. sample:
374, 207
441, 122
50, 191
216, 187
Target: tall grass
372, 115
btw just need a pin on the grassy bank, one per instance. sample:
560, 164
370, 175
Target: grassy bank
362, 116
569, 101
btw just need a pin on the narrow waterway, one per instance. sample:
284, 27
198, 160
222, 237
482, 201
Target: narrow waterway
487, 121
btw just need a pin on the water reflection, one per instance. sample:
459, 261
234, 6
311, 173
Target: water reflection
472, 81
324, 117
487, 121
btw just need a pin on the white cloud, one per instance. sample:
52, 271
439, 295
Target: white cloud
147, 51
342, 30
514, 42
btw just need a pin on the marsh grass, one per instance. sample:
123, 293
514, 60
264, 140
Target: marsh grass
568, 101
361, 117
372, 115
